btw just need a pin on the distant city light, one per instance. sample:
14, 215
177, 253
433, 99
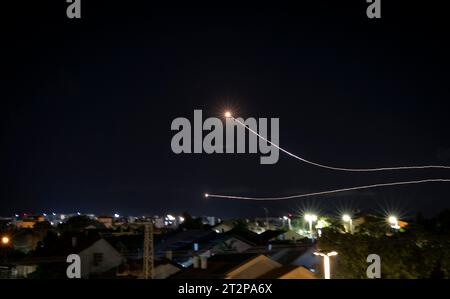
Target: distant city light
54, 214
116, 215
227, 114
181, 219
206, 194
346, 218
170, 217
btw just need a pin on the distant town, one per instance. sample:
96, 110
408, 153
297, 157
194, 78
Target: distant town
306, 246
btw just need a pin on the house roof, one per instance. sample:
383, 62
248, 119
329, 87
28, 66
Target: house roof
300, 272
254, 238
218, 266
184, 240
64, 244
289, 255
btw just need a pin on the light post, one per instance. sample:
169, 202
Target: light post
310, 218
5, 240
393, 221
326, 262
347, 218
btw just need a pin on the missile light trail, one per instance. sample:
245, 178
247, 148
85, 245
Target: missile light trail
228, 115
208, 195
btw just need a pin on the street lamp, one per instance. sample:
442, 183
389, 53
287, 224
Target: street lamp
393, 221
347, 218
5, 240
326, 262
310, 218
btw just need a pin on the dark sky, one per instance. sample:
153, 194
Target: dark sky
87, 104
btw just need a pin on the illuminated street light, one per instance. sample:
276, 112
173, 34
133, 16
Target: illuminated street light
347, 218
393, 221
326, 262
206, 195
5, 240
227, 114
310, 218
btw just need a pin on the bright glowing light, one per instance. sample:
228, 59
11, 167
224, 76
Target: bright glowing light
227, 114
310, 217
348, 219
5, 240
170, 217
285, 218
326, 262
206, 194
181, 219
329, 191
393, 221
116, 215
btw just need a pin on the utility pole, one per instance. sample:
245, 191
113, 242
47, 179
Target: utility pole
148, 251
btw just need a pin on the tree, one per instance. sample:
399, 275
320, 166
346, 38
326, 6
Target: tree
190, 222
79, 223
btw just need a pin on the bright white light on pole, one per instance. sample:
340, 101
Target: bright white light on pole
310, 218
326, 262
393, 221
346, 218
227, 114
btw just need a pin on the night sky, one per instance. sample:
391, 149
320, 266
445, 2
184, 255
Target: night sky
87, 104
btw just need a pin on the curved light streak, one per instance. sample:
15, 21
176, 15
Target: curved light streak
339, 168
209, 195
